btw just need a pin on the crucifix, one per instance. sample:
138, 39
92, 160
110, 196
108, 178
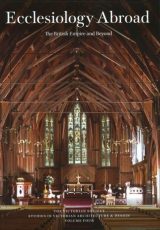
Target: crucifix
78, 177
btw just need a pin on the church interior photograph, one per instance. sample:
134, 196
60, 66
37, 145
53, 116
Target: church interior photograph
80, 115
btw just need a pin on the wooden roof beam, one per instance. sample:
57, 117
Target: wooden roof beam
102, 54
144, 46
95, 100
30, 109
102, 85
133, 68
50, 54
144, 67
47, 108
95, 81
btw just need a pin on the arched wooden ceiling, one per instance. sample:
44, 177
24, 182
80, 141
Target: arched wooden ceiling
107, 74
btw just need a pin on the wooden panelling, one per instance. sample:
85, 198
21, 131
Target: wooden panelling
125, 177
69, 173
125, 163
140, 173
108, 175
114, 160
125, 173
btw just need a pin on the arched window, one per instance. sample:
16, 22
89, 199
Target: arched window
105, 141
77, 133
49, 140
138, 147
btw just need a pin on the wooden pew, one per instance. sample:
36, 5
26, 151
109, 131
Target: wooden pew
128, 224
33, 218
135, 219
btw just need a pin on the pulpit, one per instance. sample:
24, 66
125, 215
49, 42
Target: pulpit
23, 189
23, 192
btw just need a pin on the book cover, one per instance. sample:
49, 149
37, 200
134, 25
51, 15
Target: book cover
79, 114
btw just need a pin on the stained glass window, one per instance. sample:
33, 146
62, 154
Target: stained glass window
49, 140
105, 141
138, 147
77, 132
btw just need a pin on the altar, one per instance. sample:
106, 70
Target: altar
76, 189
73, 189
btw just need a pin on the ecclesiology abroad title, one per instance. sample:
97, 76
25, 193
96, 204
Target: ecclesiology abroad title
83, 20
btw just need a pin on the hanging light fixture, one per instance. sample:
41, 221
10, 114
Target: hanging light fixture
38, 148
24, 140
